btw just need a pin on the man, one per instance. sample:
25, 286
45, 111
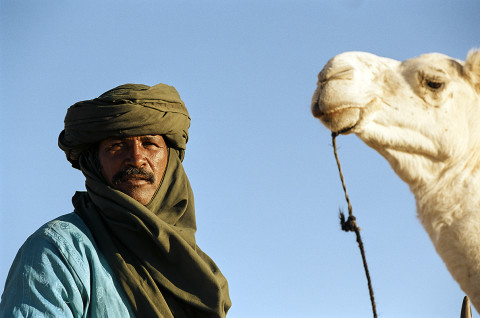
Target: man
129, 248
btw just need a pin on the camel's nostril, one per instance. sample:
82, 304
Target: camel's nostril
317, 113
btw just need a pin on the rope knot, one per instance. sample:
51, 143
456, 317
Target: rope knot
350, 224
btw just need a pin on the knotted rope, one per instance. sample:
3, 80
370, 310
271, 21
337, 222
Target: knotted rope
350, 225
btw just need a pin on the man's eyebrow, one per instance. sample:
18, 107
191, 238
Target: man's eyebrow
149, 137
113, 139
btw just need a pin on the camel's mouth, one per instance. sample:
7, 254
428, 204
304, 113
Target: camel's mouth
341, 120
345, 131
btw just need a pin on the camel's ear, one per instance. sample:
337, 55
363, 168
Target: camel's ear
472, 68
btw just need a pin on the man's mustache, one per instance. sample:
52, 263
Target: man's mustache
132, 171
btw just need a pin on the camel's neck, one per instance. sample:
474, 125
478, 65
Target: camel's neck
449, 195
449, 209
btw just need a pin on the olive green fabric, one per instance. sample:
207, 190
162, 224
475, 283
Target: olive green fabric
152, 248
129, 110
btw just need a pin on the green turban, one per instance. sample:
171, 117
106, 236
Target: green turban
127, 110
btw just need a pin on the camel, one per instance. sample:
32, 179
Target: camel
423, 116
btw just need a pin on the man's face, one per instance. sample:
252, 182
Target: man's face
134, 165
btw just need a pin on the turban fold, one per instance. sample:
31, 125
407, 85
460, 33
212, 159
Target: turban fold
127, 110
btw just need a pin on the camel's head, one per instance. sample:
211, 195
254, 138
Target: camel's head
420, 114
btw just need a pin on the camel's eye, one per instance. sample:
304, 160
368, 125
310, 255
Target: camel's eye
434, 84
434, 80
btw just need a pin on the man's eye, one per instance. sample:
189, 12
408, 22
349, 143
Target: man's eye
116, 145
149, 144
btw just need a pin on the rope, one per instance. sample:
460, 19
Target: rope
350, 225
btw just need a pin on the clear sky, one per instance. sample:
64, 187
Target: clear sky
262, 169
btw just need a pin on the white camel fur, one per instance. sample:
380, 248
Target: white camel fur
423, 116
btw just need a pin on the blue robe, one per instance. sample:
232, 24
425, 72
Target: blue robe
59, 272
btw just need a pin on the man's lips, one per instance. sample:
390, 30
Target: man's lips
135, 176
135, 179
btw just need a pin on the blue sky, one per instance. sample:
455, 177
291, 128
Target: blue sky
262, 169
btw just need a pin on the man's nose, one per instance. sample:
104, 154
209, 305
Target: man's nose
136, 156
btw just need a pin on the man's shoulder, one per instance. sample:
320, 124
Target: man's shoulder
67, 235
68, 228
60, 268
70, 223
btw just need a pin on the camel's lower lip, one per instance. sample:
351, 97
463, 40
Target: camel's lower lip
344, 131
341, 120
